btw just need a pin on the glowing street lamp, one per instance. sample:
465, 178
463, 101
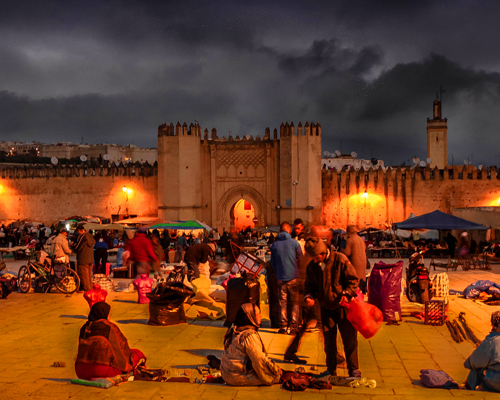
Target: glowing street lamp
127, 191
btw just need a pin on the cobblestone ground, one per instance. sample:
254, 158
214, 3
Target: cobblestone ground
39, 329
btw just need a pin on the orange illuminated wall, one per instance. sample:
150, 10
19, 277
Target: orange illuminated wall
377, 198
50, 194
9, 202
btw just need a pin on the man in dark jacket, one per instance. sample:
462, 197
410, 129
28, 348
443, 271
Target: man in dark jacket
198, 254
332, 280
285, 257
84, 249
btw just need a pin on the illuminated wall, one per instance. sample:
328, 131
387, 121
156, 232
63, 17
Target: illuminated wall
378, 197
49, 194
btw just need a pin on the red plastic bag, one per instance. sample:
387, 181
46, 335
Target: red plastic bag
365, 317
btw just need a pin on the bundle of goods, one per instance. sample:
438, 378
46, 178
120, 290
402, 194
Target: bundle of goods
104, 282
7, 286
484, 290
166, 300
384, 289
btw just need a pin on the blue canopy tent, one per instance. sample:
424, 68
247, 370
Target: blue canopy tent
438, 220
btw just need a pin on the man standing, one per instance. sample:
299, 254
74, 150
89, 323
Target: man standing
198, 254
100, 255
332, 280
451, 242
285, 258
180, 247
141, 252
355, 250
158, 249
60, 247
84, 257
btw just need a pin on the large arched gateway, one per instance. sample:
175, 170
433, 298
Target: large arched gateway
204, 178
227, 215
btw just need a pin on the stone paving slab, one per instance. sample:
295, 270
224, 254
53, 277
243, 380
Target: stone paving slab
38, 329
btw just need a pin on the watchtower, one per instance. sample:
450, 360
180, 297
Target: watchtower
437, 129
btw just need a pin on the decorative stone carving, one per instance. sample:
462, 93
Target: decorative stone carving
255, 157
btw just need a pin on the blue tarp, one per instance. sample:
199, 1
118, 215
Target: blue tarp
475, 289
437, 220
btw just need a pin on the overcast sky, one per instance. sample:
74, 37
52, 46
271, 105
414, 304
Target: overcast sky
368, 71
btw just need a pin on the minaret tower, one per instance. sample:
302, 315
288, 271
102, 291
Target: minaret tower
437, 130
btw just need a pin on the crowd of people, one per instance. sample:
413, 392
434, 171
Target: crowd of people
313, 283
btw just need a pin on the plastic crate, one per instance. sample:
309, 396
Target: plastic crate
435, 312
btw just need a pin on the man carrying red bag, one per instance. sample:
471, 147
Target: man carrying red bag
332, 280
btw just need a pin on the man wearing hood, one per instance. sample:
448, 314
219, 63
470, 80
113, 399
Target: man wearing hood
285, 258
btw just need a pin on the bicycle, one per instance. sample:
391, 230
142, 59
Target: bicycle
46, 275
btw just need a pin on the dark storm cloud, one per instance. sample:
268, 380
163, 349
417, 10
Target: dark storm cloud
368, 71
98, 119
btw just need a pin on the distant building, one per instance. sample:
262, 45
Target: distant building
116, 153
347, 160
21, 148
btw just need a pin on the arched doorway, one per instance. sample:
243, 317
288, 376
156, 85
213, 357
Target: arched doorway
225, 207
242, 214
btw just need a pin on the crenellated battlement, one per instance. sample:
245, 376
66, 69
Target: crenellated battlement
378, 197
12, 171
465, 172
286, 130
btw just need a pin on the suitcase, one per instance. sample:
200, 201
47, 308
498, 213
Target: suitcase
240, 291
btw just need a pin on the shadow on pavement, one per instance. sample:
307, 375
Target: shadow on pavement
205, 322
74, 316
125, 301
133, 321
205, 352
417, 322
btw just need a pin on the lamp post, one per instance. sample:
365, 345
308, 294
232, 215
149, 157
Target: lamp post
126, 191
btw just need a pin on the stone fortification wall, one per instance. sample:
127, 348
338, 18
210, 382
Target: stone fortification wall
202, 176
379, 197
47, 193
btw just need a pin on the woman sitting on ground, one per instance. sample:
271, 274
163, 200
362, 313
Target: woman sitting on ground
244, 361
103, 350
484, 362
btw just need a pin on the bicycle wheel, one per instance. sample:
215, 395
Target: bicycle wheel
24, 280
69, 283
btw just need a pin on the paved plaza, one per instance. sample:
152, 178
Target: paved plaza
40, 329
